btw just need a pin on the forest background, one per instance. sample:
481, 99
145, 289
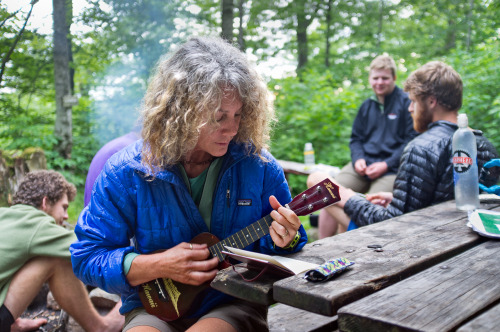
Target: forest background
71, 91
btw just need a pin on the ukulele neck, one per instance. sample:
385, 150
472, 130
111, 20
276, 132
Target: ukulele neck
243, 238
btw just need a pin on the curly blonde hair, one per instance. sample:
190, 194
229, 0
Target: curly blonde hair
39, 184
186, 92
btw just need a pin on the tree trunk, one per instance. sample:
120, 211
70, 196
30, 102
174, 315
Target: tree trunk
62, 77
451, 36
227, 20
469, 24
380, 25
328, 32
302, 24
241, 12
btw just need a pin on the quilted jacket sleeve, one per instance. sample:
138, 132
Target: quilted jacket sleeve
414, 188
103, 235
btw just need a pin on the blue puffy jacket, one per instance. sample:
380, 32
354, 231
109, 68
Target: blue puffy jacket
159, 213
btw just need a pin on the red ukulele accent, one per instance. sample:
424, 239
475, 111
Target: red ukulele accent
169, 300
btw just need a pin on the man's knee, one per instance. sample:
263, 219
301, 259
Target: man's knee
46, 262
315, 177
349, 178
43, 267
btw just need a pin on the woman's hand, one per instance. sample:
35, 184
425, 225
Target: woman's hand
285, 225
187, 263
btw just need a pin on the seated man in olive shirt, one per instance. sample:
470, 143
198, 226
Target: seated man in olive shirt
35, 250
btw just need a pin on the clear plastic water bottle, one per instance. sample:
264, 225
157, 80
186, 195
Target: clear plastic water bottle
465, 173
309, 154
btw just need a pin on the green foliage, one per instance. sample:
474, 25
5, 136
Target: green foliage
76, 206
480, 71
314, 109
113, 59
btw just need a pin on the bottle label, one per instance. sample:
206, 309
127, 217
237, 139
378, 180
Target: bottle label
308, 152
462, 161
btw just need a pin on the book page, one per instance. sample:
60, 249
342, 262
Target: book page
294, 265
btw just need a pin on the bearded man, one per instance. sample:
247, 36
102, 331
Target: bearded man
425, 174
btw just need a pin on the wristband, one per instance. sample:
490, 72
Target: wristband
294, 242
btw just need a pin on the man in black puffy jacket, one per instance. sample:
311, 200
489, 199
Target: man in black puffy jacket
425, 174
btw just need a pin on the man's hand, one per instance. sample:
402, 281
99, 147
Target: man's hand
382, 198
360, 167
26, 324
376, 170
285, 225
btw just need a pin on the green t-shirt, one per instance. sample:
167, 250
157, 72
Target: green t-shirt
26, 232
202, 188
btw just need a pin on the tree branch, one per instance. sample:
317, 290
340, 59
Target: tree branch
13, 46
8, 18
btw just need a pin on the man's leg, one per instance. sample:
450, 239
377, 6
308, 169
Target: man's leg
383, 183
350, 179
332, 219
334, 216
68, 291
327, 226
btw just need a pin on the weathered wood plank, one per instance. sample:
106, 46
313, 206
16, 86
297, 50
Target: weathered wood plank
295, 167
440, 298
411, 243
258, 291
283, 318
488, 321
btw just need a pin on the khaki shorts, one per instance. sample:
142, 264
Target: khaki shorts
350, 179
242, 315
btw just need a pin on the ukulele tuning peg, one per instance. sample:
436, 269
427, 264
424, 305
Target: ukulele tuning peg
310, 207
325, 200
304, 197
318, 188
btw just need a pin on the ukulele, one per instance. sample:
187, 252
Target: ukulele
169, 300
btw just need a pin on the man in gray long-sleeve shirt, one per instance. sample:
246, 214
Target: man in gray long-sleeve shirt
425, 175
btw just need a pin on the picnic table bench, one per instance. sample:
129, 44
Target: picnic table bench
424, 265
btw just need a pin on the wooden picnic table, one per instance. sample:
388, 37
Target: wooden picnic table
422, 280
293, 167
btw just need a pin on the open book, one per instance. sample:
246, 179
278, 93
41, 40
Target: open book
279, 265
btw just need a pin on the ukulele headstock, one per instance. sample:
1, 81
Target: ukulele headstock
320, 195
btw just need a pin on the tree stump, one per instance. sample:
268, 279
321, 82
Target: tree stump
14, 164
